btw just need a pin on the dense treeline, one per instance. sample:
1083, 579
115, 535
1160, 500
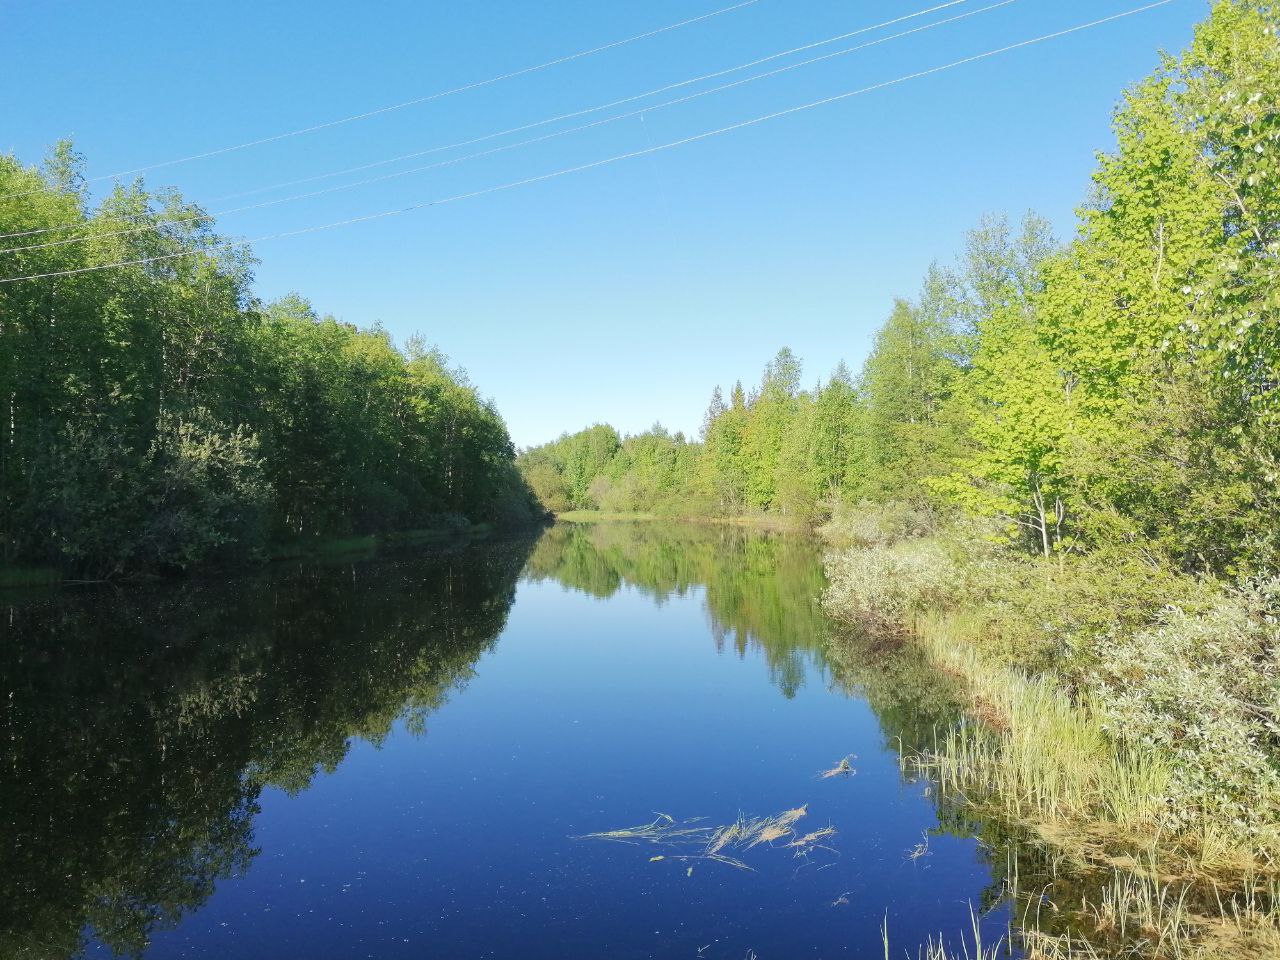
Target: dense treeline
1122, 390
776, 449
157, 415
1087, 441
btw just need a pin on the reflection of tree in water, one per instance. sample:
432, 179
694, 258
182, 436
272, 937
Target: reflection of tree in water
141, 727
762, 589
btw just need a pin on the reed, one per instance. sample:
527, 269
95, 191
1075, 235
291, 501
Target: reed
970, 948
1043, 757
1030, 753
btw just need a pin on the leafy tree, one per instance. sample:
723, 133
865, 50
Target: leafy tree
156, 416
907, 378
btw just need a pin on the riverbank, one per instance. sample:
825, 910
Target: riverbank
755, 521
315, 549
1120, 717
320, 547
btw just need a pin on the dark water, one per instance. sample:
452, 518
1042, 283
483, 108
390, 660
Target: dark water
392, 758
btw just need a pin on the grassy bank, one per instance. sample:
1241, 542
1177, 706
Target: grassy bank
1120, 720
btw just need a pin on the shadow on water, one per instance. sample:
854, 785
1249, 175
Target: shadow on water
141, 726
144, 727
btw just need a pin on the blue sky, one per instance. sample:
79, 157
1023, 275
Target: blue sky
622, 293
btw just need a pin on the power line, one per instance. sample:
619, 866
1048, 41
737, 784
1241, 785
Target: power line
196, 218
539, 123
613, 103
419, 100
609, 160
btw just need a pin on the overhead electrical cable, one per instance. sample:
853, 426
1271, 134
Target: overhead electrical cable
608, 160
606, 106
196, 218
524, 71
556, 119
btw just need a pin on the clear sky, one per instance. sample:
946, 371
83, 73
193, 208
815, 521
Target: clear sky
626, 292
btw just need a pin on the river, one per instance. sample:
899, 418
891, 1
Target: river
405, 756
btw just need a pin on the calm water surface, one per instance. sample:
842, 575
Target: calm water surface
399, 757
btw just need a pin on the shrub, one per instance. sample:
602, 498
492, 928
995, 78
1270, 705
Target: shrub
1204, 688
196, 492
890, 583
868, 524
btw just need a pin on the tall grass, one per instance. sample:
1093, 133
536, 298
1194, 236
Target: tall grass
1140, 757
970, 948
1049, 760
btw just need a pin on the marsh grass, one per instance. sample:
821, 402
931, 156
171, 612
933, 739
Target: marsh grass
1134, 760
696, 840
970, 947
1031, 754
1043, 757
1135, 913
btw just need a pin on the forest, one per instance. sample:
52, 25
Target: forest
158, 416
1049, 498
1056, 472
1121, 390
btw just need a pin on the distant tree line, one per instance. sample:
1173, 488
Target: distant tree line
157, 415
1121, 389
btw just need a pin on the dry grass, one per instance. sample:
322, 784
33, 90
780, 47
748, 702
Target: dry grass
695, 840
842, 769
662, 829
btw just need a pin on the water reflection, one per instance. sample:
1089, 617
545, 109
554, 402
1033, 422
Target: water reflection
147, 729
761, 589
141, 726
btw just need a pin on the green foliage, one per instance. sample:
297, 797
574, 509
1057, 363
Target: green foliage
157, 416
876, 524
1011, 465
902, 437
1204, 689
781, 450
196, 492
1127, 392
